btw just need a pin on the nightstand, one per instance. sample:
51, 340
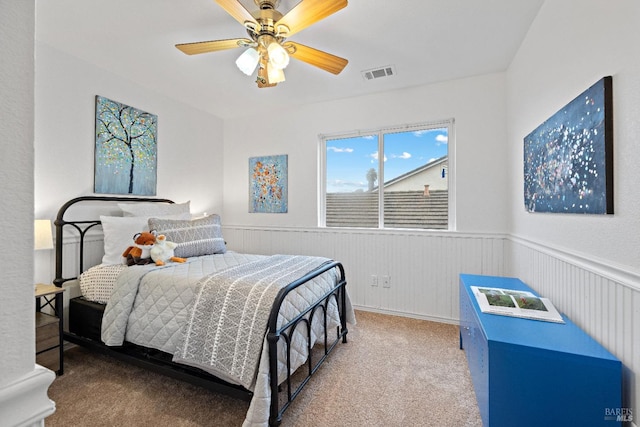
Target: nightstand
49, 340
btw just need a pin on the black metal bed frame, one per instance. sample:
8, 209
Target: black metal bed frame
161, 362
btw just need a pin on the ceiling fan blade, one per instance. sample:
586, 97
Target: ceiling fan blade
237, 10
308, 12
326, 61
212, 46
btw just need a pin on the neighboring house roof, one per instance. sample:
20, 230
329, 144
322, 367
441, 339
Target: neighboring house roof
415, 171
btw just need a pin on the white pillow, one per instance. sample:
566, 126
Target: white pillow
154, 209
118, 235
119, 231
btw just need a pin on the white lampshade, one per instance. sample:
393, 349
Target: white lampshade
278, 56
42, 234
248, 61
276, 75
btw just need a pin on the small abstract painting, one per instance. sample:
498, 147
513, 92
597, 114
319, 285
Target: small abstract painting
126, 149
268, 184
568, 160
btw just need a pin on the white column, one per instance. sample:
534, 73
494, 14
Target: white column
24, 402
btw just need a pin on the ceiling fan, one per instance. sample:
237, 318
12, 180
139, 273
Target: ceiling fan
268, 29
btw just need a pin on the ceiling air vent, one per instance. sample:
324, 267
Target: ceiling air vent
377, 73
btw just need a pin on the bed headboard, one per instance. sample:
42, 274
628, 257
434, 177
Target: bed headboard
81, 227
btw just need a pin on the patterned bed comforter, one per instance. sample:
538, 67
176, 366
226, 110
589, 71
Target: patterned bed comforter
165, 307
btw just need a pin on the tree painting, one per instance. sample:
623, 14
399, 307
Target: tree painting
126, 149
268, 185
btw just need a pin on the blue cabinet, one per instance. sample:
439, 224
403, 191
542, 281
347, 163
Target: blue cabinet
535, 373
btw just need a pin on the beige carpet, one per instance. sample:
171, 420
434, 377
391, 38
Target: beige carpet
393, 371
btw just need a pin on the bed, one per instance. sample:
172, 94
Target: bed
254, 327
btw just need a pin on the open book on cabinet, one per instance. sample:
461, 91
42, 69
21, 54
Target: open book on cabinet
510, 302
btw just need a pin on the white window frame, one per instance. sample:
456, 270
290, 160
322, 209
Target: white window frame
380, 132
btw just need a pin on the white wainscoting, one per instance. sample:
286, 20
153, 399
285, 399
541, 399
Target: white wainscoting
602, 299
423, 267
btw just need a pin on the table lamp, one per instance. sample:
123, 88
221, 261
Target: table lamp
42, 234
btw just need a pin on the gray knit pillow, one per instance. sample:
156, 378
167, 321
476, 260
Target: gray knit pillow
202, 236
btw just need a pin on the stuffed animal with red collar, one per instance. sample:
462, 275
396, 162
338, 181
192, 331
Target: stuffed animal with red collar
140, 252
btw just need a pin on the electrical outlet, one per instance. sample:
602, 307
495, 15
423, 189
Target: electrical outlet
374, 280
386, 281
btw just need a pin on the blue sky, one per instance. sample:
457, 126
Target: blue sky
349, 159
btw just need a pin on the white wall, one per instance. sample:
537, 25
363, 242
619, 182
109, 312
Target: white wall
189, 141
23, 385
16, 190
588, 265
423, 266
476, 104
568, 48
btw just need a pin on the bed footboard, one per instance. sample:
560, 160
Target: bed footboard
305, 318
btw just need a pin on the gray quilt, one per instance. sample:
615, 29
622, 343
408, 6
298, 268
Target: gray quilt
148, 305
226, 327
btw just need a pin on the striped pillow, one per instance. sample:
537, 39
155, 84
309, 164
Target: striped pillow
202, 236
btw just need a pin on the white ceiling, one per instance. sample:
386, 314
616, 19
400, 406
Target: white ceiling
425, 40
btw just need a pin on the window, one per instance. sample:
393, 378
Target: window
409, 180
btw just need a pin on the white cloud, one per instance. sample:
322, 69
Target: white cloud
340, 150
440, 139
375, 156
443, 139
404, 155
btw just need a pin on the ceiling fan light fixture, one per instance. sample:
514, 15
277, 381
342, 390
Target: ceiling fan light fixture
248, 61
278, 56
268, 29
275, 75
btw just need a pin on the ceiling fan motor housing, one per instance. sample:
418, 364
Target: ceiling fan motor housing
266, 24
267, 4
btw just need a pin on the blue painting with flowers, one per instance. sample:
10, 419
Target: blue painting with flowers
268, 184
568, 160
